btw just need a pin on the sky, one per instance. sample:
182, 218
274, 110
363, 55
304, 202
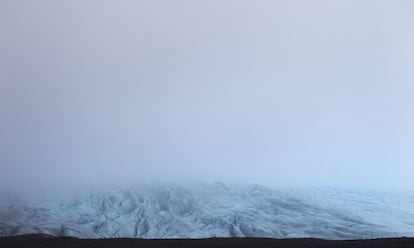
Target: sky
293, 93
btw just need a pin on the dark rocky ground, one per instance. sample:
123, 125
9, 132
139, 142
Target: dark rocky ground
34, 241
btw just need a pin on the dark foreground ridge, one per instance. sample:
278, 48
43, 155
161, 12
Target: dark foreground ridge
44, 241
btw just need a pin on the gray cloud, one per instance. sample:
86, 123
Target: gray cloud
269, 92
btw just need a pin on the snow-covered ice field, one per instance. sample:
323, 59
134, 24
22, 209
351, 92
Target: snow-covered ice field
211, 210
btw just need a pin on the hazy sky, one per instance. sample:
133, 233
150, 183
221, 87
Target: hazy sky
269, 92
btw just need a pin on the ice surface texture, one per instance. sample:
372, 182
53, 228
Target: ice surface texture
212, 211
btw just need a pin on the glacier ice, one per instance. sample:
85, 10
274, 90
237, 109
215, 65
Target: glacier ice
213, 210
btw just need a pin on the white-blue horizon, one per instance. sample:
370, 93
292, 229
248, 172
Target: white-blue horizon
296, 93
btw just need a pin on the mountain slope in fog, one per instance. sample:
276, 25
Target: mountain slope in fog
212, 211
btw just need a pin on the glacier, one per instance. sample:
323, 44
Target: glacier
211, 210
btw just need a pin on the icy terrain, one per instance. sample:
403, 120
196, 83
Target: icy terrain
214, 210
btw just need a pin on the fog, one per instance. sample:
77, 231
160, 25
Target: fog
282, 93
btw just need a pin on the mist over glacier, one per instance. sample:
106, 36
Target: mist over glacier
313, 100
211, 210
